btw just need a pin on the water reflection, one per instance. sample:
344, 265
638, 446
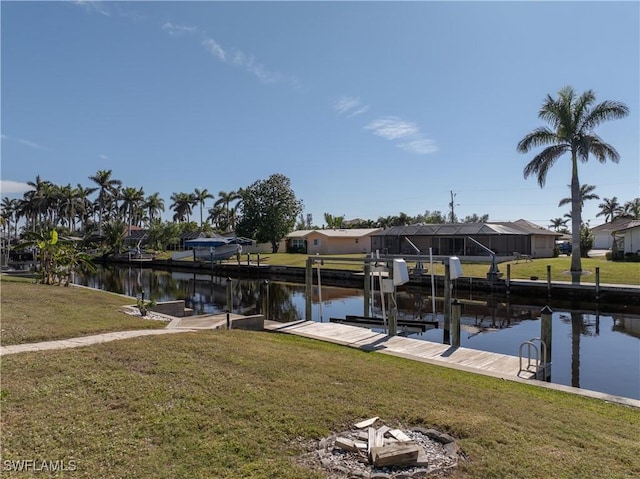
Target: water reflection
596, 350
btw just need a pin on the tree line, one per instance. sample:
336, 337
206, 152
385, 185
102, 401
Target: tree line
265, 210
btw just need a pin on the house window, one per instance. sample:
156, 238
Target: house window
316, 242
356, 240
297, 243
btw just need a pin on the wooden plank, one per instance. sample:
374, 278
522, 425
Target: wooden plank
423, 459
371, 439
394, 455
379, 439
346, 444
366, 422
375, 440
399, 435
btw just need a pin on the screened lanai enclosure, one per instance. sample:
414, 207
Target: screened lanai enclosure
454, 239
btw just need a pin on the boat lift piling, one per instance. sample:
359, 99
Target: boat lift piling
397, 274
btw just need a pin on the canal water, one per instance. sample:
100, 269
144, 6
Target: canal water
591, 349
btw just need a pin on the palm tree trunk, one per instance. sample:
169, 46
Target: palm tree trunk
576, 331
576, 221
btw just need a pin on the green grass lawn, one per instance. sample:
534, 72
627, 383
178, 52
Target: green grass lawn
238, 404
34, 312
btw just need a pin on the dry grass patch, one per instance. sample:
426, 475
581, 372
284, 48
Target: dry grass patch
235, 404
34, 312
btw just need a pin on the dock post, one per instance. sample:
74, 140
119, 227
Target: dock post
265, 299
597, 283
258, 260
393, 320
229, 295
548, 281
446, 333
546, 337
308, 289
455, 323
508, 279
367, 288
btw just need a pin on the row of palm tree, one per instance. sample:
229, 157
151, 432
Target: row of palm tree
70, 207
610, 208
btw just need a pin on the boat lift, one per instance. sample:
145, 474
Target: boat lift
494, 273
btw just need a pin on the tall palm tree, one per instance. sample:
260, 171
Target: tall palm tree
182, 203
609, 208
586, 194
572, 119
9, 208
37, 200
70, 205
200, 196
106, 187
85, 204
225, 200
132, 201
154, 205
217, 216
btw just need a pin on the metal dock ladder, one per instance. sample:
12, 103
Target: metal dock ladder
535, 365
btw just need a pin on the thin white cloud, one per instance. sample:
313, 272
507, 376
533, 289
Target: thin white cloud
177, 30
421, 146
251, 65
28, 143
103, 157
349, 106
93, 6
8, 187
392, 128
262, 74
359, 111
214, 48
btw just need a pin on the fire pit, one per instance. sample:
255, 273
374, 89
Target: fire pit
373, 450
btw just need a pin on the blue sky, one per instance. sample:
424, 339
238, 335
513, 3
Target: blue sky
370, 108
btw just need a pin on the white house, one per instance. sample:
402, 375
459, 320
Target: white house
628, 237
603, 234
331, 241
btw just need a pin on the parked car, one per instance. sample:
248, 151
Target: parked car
564, 247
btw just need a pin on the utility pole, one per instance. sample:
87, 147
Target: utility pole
451, 206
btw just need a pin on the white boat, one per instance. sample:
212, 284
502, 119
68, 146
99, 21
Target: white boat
217, 248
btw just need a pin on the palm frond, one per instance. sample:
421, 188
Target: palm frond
603, 111
603, 151
541, 136
543, 161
